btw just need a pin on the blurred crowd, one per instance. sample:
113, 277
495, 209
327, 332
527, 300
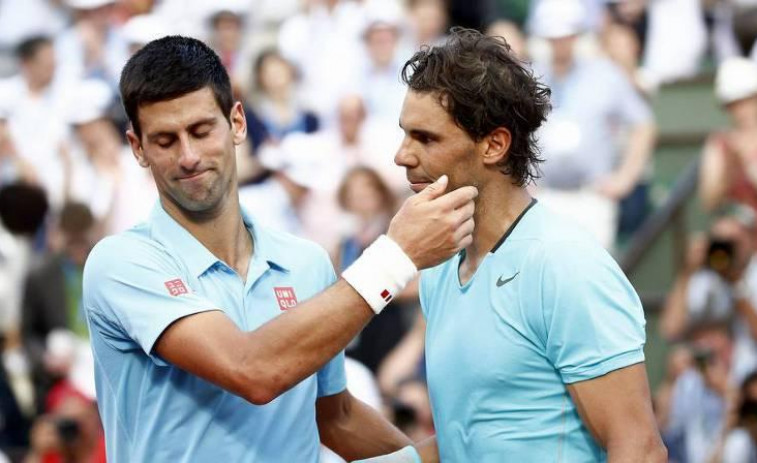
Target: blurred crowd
320, 83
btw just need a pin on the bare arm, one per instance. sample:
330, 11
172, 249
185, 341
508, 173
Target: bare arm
402, 361
713, 176
428, 450
261, 364
746, 309
617, 410
637, 154
675, 314
353, 430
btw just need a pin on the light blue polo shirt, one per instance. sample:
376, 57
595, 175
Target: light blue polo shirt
547, 307
139, 282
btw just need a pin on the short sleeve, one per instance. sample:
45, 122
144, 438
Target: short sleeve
593, 319
133, 290
332, 378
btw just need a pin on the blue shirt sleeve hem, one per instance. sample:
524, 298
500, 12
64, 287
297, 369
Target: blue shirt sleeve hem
615, 363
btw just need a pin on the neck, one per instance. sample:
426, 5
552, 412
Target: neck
498, 206
221, 231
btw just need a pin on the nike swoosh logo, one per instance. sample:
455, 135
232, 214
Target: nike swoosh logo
501, 282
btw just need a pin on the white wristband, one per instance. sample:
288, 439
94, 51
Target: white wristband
405, 455
381, 272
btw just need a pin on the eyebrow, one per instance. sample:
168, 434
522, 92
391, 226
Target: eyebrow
212, 120
422, 132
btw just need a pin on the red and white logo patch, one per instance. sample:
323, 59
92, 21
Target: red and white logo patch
386, 295
176, 287
285, 297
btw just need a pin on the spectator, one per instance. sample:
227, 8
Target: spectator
428, 21
739, 443
52, 292
676, 42
370, 205
93, 47
593, 105
228, 20
277, 111
71, 432
35, 104
324, 157
381, 88
12, 167
22, 212
323, 42
717, 284
698, 412
728, 170
104, 175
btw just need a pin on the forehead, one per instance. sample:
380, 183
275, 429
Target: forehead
178, 112
424, 110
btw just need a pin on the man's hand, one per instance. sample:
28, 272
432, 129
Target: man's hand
432, 226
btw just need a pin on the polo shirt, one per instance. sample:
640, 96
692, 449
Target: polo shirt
138, 283
547, 307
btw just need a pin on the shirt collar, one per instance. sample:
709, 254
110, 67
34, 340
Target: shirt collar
199, 259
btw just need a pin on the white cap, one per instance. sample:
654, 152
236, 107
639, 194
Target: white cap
736, 80
235, 7
89, 101
88, 4
383, 13
553, 19
144, 28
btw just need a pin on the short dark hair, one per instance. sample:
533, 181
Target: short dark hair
483, 85
76, 218
23, 208
28, 48
169, 68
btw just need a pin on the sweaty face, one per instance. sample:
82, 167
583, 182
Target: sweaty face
434, 145
190, 148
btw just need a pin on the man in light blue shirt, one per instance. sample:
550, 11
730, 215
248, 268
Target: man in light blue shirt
211, 342
534, 338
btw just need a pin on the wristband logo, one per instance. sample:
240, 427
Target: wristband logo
285, 297
386, 295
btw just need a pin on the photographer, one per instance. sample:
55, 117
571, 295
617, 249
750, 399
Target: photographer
698, 413
718, 283
70, 433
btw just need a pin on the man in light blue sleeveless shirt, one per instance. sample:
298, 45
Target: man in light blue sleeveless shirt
534, 338
210, 338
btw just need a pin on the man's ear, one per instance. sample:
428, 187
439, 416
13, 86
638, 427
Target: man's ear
238, 123
136, 148
497, 146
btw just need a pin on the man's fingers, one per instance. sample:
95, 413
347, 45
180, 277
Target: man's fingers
436, 189
465, 230
457, 198
466, 211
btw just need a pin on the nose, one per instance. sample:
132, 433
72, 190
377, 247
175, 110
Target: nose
404, 157
189, 158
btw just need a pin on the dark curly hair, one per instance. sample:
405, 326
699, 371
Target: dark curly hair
483, 85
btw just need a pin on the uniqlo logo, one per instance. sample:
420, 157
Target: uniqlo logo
285, 297
176, 287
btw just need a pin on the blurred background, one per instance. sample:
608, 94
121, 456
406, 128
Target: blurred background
651, 146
